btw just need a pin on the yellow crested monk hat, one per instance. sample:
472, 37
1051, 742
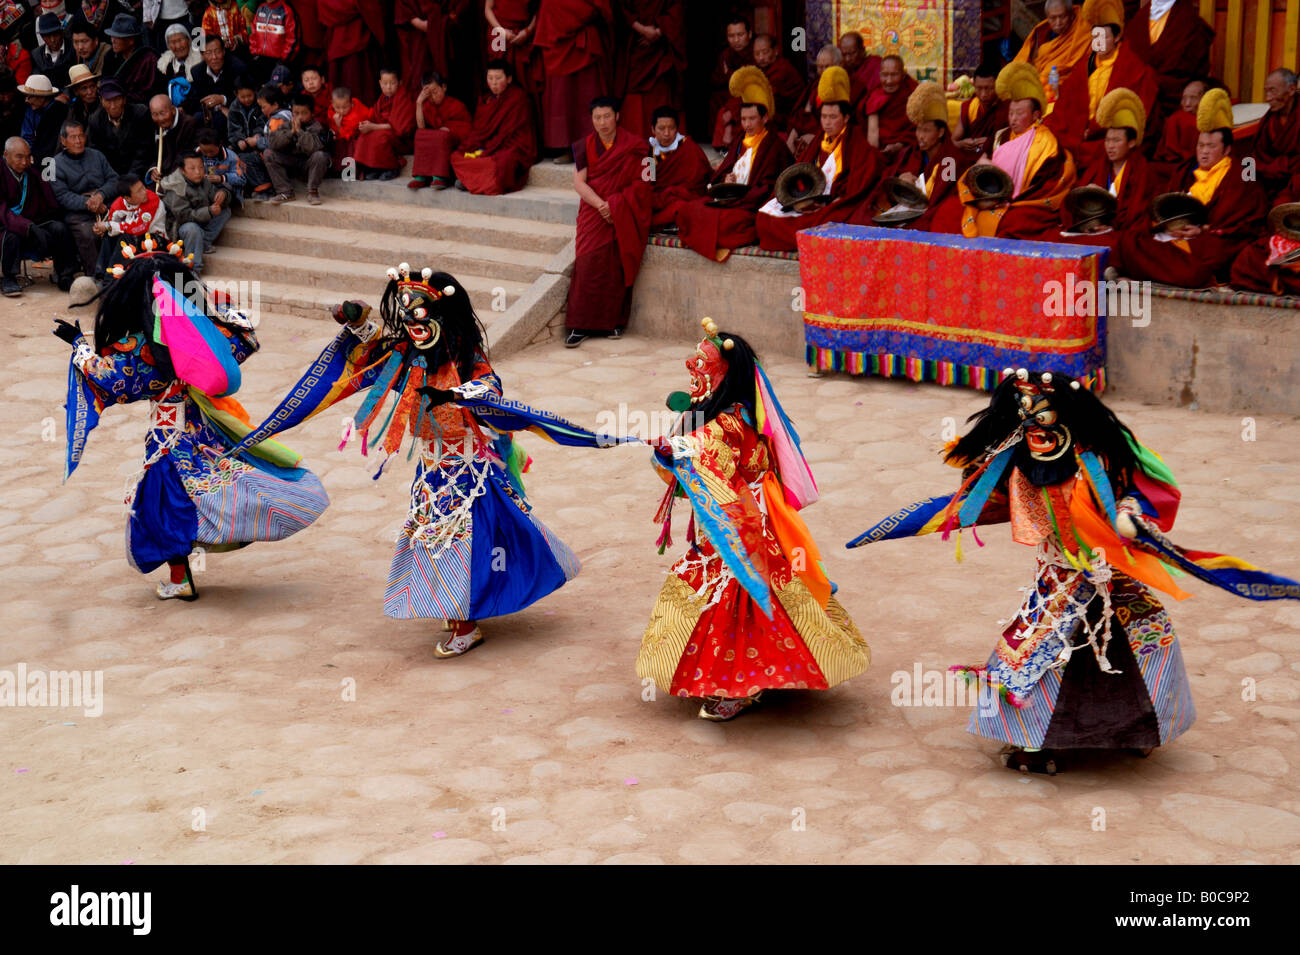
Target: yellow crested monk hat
1215, 111
834, 86
928, 103
1098, 13
1020, 80
751, 85
1121, 108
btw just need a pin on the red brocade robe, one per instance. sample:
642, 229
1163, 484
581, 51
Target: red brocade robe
890, 110
433, 144
650, 72
1250, 269
1072, 119
503, 131
1236, 218
1181, 54
681, 176
862, 166
707, 636
384, 148
713, 231
354, 35
608, 254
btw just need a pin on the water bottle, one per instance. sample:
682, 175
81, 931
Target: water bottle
1054, 84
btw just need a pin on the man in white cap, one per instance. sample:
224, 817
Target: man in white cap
44, 116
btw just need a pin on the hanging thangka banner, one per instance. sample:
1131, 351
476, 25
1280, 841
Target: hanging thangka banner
937, 39
951, 310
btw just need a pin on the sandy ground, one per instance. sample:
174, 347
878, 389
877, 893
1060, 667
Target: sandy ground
226, 735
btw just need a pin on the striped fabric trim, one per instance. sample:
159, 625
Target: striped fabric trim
830, 635
422, 586
1022, 726
565, 557
256, 506
672, 622
1171, 693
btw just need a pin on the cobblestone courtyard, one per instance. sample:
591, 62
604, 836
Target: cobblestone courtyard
226, 735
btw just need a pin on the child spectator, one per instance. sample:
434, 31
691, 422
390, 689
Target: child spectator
245, 123
137, 210
302, 145
314, 85
221, 166
226, 19
197, 209
346, 114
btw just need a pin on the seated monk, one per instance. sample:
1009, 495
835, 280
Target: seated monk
613, 225
754, 160
1121, 168
787, 82
1194, 256
1178, 135
1272, 264
883, 112
1060, 41
501, 147
1109, 65
983, 114
1041, 171
1276, 145
681, 170
441, 124
1170, 37
384, 140
738, 52
933, 165
346, 116
805, 119
852, 167
863, 70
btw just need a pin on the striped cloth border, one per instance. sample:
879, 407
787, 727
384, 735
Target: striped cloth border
256, 506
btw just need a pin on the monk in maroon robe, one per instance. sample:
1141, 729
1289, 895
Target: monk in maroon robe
613, 224
805, 120
761, 155
934, 164
354, 31
1178, 134
883, 112
653, 63
441, 124
981, 116
1276, 145
681, 170
738, 52
439, 36
311, 35
384, 140
501, 147
787, 83
1250, 269
1122, 170
575, 37
1200, 255
863, 70
510, 35
860, 168
1179, 52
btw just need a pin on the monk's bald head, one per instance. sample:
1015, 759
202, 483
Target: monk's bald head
891, 73
827, 57
18, 155
852, 50
765, 50
1279, 90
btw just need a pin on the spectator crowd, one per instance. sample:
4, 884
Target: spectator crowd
166, 116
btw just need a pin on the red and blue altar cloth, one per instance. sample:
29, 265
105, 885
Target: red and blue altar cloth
951, 310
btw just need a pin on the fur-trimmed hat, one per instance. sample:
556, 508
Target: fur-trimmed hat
1215, 111
927, 104
751, 85
1122, 109
1021, 81
834, 86
1099, 13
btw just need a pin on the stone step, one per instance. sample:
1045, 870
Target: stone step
548, 175
389, 216
514, 264
553, 204
307, 286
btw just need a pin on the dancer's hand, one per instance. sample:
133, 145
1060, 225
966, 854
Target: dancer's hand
437, 396
70, 332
